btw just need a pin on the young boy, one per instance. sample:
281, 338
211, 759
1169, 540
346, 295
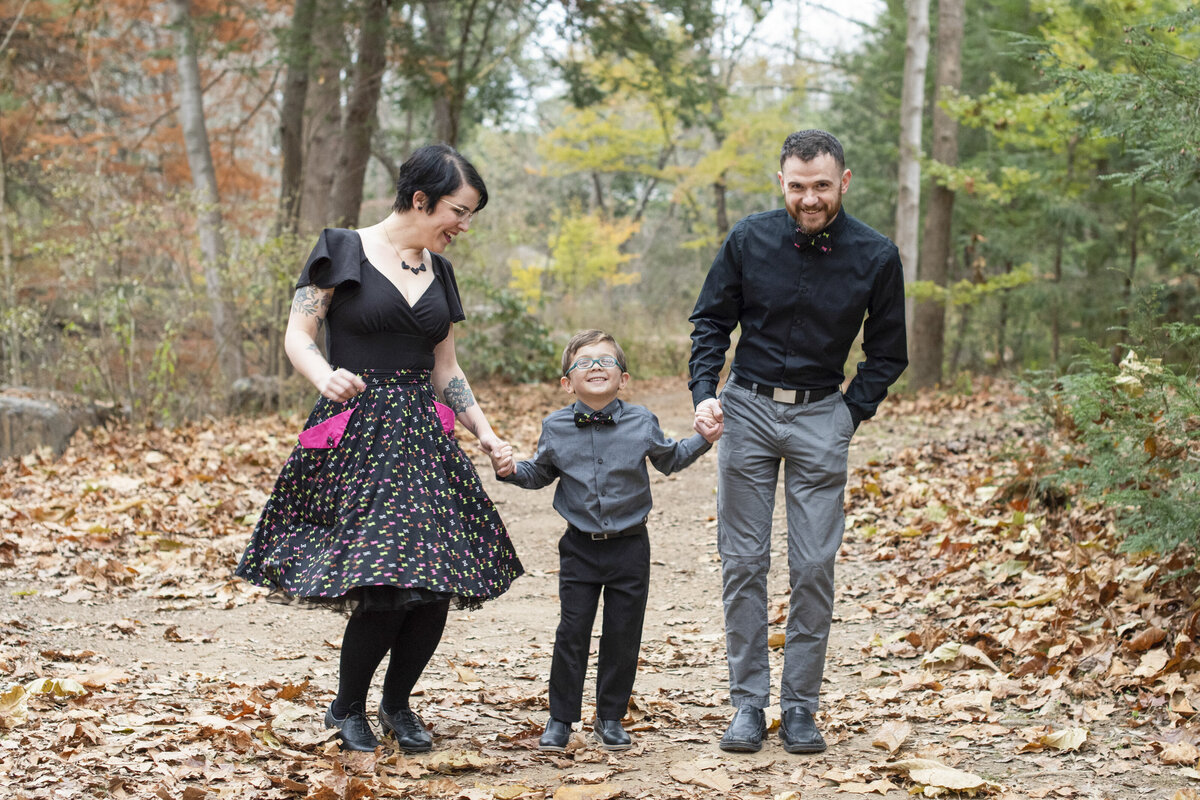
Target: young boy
597, 449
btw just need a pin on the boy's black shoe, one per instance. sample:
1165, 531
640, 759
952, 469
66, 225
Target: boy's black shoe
745, 731
611, 735
355, 730
556, 736
799, 732
408, 729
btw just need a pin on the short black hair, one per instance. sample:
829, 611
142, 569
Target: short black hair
437, 170
807, 145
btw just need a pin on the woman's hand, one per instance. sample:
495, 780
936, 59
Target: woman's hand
341, 385
491, 443
502, 460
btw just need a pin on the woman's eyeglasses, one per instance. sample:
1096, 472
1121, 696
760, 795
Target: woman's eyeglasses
608, 362
464, 214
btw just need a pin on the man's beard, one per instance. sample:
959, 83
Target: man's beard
829, 214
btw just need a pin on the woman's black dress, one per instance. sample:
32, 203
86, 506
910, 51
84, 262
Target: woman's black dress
395, 514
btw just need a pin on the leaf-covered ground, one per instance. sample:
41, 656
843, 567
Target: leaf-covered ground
987, 641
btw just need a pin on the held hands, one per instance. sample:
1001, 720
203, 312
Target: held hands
502, 460
340, 385
709, 420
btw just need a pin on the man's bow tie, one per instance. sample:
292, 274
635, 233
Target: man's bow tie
596, 418
820, 241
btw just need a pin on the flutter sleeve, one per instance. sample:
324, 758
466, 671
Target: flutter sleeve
453, 300
336, 260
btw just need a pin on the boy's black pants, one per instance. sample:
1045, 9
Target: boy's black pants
620, 568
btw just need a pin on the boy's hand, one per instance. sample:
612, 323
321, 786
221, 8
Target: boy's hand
709, 421
502, 460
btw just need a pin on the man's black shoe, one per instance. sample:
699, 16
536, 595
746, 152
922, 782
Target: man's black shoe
745, 731
799, 732
355, 730
556, 736
611, 735
408, 729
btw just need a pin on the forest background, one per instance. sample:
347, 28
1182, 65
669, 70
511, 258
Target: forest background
164, 168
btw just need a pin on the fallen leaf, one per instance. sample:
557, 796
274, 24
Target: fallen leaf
58, 687
874, 787
1066, 739
591, 791
1180, 753
693, 773
13, 707
891, 735
929, 773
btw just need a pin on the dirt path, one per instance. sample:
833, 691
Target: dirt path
485, 693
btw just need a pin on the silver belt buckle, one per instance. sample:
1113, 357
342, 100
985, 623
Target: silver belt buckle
784, 395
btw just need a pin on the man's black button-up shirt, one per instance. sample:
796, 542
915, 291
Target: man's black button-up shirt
800, 308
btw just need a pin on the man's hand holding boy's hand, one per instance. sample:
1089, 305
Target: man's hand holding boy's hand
502, 460
709, 421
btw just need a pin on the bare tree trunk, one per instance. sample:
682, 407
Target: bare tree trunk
12, 347
912, 107
291, 114
445, 121
1002, 325
929, 317
1118, 350
360, 119
599, 189
719, 195
204, 182
1059, 246
323, 114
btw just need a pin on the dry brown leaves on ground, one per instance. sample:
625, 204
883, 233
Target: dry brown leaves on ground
1002, 633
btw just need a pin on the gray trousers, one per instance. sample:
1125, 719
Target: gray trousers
812, 441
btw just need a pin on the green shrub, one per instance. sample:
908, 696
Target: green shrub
1134, 427
501, 339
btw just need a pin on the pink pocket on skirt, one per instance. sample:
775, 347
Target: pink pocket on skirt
446, 415
328, 434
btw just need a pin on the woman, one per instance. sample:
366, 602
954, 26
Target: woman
383, 515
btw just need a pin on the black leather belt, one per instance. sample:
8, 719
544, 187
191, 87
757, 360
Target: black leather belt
784, 395
633, 530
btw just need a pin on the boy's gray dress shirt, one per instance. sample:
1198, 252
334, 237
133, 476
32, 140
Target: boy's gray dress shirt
603, 485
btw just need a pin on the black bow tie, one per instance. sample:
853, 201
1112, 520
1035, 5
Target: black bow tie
596, 418
820, 241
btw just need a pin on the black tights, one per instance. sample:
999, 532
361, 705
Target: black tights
411, 635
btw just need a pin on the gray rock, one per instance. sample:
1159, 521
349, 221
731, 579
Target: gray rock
35, 418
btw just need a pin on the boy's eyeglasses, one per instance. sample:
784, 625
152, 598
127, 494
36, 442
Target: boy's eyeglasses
608, 362
464, 214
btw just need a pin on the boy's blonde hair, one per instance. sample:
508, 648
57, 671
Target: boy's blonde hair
583, 339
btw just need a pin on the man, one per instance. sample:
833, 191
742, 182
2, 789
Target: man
799, 281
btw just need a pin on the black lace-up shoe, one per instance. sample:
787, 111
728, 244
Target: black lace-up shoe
557, 734
799, 732
407, 728
355, 730
745, 731
611, 735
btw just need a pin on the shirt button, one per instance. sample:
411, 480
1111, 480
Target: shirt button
599, 460
803, 290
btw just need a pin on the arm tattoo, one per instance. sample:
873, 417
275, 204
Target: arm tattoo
310, 301
458, 395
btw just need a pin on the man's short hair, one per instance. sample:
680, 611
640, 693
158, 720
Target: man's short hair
807, 145
583, 339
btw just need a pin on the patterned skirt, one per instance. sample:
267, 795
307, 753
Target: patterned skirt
394, 515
